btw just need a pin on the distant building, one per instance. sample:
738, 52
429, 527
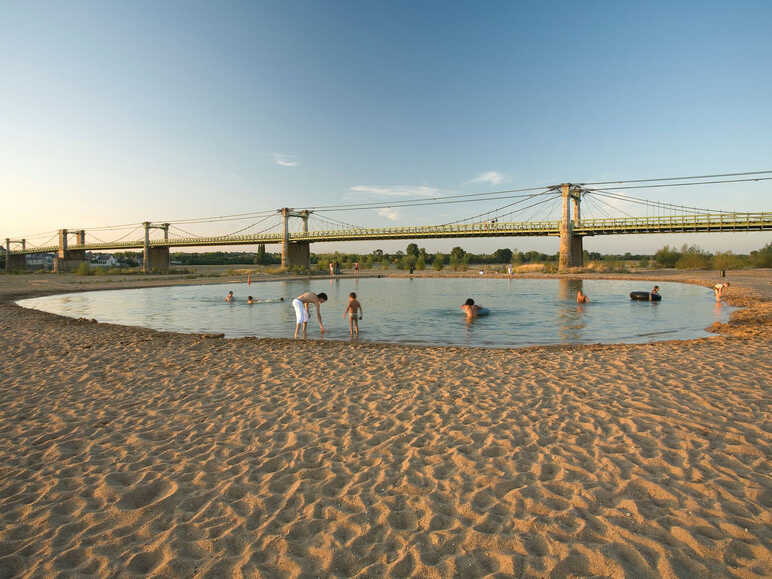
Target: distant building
102, 260
39, 260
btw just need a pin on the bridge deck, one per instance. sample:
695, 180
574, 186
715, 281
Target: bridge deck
586, 227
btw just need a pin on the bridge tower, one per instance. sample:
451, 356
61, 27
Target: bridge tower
571, 247
155, 258
69, 257
14, 262
294, 252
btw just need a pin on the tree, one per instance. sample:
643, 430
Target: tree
502, 255
260, 257
727, 260
420, 263
667, 257
693, 258
762, 257
457, 253
412, 249
439, 261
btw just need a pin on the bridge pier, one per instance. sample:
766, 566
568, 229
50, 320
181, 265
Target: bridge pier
155, 258
571, 246
14, 262
67, 258
294, 253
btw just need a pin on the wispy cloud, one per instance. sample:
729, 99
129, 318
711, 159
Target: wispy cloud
389, 213
285, 160
398, 190
492, 177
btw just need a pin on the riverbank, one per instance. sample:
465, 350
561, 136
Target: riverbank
124, 450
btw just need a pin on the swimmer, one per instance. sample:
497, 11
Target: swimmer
581, 298
470, 309
354, 310
250, 300
230, 297
302, 304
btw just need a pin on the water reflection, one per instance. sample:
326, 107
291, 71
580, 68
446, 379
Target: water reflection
570, 314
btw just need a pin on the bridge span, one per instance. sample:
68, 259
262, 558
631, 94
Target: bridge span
571, 230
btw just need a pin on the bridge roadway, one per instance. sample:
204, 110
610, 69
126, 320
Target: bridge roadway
715, 222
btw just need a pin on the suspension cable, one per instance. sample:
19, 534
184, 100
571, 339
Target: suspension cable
678, 178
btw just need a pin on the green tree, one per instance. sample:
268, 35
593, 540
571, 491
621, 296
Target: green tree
762, 257
502, 255
693, 258
260, 257
667, 257
727, 260
412, 249
439, 261
420, 263
457, 253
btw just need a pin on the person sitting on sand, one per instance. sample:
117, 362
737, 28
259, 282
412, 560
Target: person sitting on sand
302, 304
354, 310
250, 300
719, 290
470, 308
581, 298
230, 297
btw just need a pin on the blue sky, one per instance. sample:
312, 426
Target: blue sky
115, 113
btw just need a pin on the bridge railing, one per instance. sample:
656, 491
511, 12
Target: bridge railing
703, 220
716, 221
480, 227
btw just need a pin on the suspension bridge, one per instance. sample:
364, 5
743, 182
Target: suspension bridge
572, 224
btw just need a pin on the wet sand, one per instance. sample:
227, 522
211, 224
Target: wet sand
129, 451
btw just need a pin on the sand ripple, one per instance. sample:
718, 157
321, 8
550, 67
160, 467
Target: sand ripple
124, 451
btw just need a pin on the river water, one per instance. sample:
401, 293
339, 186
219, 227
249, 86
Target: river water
415, 311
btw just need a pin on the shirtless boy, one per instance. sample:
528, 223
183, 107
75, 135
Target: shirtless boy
354, 311
470, 308
302, 304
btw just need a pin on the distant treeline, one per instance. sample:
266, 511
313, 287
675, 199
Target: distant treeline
688, 257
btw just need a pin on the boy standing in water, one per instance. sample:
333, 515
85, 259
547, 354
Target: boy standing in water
353, 310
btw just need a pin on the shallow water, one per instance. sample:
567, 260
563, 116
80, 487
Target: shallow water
420, 311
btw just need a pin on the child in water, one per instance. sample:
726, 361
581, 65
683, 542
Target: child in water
353, 310
581, 298
470, 309
250, 300
229, 297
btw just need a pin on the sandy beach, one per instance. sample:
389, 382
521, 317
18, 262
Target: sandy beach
125, 451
